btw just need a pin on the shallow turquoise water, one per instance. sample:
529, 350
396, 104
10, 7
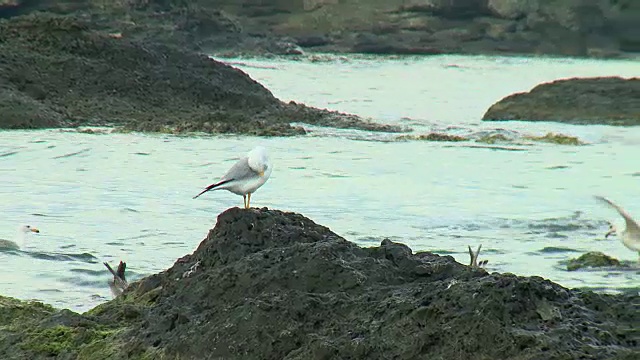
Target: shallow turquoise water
102, 198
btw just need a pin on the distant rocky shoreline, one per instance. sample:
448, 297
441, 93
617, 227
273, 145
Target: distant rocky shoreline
584, 28
139, 64
266, 284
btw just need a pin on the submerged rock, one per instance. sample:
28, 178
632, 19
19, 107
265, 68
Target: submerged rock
434, 137
57, 71
266, 284
592, 259
554, 138
494, 139
600, 100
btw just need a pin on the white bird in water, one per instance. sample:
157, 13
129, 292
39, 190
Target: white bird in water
23, 232
630, 236
245, 176
119, 282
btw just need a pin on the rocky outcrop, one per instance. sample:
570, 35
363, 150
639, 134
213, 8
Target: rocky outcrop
601, 100
58, 71
592, 259
266, 284
603, 28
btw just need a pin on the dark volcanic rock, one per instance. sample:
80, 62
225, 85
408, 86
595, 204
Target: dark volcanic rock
266, 284
606, 100
57, 71
602, 28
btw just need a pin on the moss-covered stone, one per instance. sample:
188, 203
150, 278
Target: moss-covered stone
493, 139
15, 313
592, 259
50, 341
554, 138
35, 330
433, 137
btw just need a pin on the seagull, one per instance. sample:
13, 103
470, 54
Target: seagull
245, 176
474, 258
119, 282
630, 236
23, 231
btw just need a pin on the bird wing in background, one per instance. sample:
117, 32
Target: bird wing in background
632, 226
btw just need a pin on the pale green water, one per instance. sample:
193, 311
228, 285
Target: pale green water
128, 196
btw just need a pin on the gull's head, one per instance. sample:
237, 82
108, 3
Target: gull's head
28, 228
612, 231
259, 161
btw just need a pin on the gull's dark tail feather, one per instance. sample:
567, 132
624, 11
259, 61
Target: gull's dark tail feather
213, 186
121, 268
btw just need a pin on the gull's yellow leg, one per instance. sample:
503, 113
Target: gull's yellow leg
248, 200
244, 200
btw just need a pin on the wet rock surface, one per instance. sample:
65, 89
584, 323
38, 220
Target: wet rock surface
592, 259
600, 100
266, 284
57, 71
599, 28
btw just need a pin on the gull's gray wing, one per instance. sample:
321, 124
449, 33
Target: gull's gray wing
110, 269
474, 256
240, 171
632, 226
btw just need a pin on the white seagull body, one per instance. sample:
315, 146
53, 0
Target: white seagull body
23, 231
630, 236
245, 176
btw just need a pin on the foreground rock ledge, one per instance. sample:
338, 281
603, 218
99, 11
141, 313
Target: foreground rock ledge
266, 284
58, 71
599, 100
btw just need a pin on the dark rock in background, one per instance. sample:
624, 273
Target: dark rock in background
603, 100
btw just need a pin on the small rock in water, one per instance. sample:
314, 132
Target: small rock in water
554, 138
433, 137
592, 259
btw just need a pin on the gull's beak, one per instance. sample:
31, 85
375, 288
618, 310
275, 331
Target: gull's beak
611, 232
34, 230
261, 173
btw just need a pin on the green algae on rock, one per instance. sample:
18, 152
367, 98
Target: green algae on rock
493, 139
272, 284
57, 71
554, 138
32, 330
592, 259
599, 100
433, 137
